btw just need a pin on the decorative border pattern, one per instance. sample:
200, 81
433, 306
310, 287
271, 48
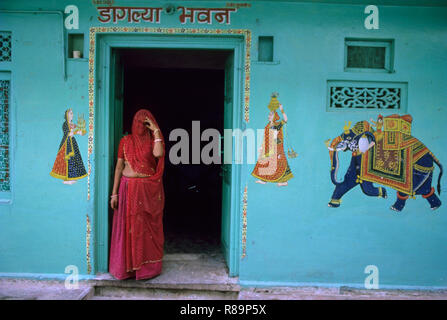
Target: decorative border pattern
91, 62
91, 102
87, 245
5, 181
244, 223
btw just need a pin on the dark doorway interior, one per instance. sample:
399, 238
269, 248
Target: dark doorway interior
178, 87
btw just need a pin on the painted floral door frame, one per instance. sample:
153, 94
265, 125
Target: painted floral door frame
102, 41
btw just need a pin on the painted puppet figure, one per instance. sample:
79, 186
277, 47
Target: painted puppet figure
272, 165
390, 156
68, 165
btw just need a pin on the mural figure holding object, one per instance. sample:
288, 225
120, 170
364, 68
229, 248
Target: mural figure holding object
389, 156
68, 165
272, 165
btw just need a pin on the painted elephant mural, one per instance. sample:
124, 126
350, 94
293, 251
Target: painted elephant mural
387, 155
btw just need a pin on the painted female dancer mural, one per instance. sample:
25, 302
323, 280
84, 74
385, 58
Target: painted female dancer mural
272, 165
68, 165
389, 156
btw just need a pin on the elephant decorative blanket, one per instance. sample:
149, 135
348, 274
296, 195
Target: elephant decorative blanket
390, 161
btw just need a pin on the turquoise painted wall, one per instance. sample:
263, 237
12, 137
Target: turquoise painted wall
293, 238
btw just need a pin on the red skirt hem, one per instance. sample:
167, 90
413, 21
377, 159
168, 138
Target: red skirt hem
147, 271
118, 264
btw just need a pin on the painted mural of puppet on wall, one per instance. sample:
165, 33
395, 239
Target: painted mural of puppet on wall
272, 165
68, 165
388, 155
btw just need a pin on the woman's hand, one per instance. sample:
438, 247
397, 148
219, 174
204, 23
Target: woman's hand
114, 203
150, 125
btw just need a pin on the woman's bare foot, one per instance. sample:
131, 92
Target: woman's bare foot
282, 184
69, 182
261, 182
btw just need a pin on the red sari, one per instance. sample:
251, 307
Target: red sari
137, 233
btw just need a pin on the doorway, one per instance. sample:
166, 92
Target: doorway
179, 87
172, 57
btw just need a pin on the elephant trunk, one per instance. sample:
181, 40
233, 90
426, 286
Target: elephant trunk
334, 168
333, 153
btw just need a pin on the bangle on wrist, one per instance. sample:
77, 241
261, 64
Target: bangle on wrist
113, 196
158, 140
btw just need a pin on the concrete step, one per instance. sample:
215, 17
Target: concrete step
184, 276
136, 293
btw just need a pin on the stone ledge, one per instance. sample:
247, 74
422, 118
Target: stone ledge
177, 286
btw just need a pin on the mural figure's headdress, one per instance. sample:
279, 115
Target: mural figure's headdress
66, 114
274, 103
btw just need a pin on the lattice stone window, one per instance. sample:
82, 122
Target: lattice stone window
369, 55
5, 46
4, 136
357, 95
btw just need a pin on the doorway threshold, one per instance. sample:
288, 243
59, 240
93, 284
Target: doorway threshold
187, 272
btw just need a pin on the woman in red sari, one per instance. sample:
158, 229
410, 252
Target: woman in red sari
138, 200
